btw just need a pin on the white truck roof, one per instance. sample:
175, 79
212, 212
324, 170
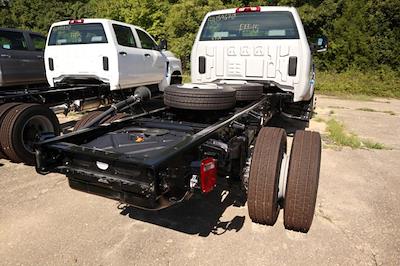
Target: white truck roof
95, 20
262, 8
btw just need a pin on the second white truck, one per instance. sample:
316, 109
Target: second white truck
91, 51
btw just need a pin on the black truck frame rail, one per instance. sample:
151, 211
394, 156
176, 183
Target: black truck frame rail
160, 174
53, 96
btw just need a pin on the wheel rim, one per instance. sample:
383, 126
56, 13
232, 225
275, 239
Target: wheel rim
33, 129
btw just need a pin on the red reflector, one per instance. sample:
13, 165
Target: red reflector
248, 9
76, 21
208, 174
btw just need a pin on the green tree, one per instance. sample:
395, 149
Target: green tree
183, 22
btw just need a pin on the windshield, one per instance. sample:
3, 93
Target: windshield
250, 26
77, 34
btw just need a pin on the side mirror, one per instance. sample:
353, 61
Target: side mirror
320, 44
163, 44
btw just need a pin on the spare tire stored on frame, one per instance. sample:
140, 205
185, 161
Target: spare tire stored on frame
206, 96
244, 91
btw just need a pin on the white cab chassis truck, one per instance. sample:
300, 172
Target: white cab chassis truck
210, 131
105, 51
265, 45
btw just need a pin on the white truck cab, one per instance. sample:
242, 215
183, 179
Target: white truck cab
257, 44
93, 51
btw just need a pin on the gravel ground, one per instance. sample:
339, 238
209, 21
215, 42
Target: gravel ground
44, 222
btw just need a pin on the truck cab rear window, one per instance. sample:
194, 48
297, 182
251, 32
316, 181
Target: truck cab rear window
250, 26
78, 34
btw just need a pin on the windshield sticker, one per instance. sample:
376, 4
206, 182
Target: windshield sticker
220, 34
64, 27
222, 17
249, 27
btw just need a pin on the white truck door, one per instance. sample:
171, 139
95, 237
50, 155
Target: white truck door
155, 61
131, 66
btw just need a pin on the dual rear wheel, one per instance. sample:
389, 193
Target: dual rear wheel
301, 184
22, 125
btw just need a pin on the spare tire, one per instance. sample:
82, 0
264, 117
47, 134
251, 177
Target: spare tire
245, 91
207, 96
4, 109
22, 127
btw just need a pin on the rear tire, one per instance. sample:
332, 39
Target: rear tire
4, 109
199, 99
22, 127
264, 175
302, 181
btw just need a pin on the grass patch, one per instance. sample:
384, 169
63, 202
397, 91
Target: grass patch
338, 135
373, 145
359, 85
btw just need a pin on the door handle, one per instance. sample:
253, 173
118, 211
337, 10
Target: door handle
147, 55
123, 53
5, 55
39, 56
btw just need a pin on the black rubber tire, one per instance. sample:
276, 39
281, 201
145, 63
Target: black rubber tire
86, 119
302, 181
4, 109
12, 137
199, 99
262, 197
246, 92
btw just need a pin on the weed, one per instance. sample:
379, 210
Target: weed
338, 135
373, 145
